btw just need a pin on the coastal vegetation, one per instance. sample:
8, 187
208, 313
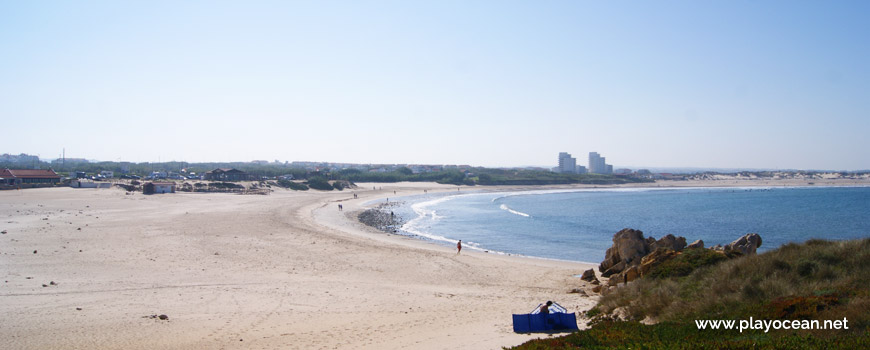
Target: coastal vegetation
817, 280
468, 176
296, 186
485, 176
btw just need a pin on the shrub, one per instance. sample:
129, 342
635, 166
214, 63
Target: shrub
817, 280
297, 186
319, 183
686, 262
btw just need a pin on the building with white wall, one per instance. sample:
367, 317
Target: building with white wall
567, 164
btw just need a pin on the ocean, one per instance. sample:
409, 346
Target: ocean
577, 225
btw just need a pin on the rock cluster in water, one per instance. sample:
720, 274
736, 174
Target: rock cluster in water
381, 218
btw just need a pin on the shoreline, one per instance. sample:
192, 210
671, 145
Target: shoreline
546, 189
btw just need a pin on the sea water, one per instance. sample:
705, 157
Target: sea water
578, 225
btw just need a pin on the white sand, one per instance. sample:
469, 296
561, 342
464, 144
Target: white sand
284, 271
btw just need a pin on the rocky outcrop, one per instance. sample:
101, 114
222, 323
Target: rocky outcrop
656, 258
381, 218
745, 245
633, 256
669, 241
628, 247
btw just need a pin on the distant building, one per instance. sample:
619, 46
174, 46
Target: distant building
597, 164
158, 187
567, 164
225, 174
19, 159
107, 174
14, 177
622, 171
581, 169
69, 161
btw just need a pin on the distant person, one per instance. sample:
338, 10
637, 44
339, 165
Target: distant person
545, 309
458, 247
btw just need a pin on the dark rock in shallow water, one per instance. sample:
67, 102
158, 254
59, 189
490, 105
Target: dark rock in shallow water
381, 218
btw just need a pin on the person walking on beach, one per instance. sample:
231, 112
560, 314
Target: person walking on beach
458, 247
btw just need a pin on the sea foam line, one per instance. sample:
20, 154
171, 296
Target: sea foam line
425, 217
509, 210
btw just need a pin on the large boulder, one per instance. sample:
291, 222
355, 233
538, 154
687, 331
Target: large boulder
746, 245
589, 276
669, 241
696, 244
628, 247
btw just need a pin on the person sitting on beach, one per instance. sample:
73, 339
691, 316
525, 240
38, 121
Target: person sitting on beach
545, 309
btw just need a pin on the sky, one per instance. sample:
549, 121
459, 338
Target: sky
729, 84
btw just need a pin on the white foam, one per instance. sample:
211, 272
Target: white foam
509, 210
426, 217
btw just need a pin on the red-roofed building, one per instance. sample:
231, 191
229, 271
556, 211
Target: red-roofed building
13, 177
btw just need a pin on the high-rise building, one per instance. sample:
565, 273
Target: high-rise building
567, 164
597, 164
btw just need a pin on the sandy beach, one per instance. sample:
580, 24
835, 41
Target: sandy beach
93, 269
283, 271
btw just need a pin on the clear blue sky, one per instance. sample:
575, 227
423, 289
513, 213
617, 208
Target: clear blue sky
754, 84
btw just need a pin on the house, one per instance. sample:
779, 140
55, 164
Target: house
107, 174
158, 187
16, 177
226, 174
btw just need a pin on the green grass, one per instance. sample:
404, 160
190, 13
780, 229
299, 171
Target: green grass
687, 261
816, 280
